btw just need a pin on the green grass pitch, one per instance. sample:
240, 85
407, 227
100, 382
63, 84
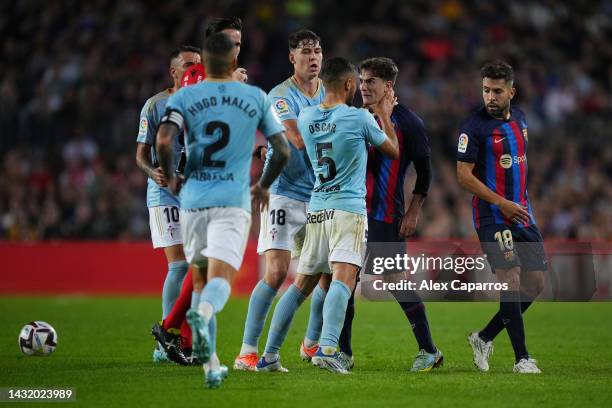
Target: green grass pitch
104, 351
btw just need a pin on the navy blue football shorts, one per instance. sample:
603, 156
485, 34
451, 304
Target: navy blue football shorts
507, 247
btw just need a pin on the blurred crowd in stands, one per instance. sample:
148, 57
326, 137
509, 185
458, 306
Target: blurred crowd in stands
74, 76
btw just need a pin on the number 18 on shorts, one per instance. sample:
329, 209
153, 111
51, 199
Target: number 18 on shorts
282, 225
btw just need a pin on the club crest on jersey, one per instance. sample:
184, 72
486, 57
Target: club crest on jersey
273, 233
509, 256
171, 230
463, 143
144, 125
281, 106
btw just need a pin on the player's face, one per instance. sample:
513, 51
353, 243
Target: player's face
306, 59
236, 37
497, 94
372, 88
182, 62
351, 86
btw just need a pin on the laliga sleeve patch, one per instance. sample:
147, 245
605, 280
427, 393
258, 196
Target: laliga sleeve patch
144, 125
463, 143
281, 106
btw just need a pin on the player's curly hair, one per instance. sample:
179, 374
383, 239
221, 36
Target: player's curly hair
381, 67
303, 36
223, 23
497, 69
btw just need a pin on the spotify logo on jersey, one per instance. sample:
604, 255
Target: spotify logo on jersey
505, 161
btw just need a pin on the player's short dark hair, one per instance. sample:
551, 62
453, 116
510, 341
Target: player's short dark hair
223, 23
184, 48
380, 67
497, 69
304, 37
217, 47
335, 70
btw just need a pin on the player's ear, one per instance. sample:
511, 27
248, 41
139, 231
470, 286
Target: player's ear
512, 92
291, 58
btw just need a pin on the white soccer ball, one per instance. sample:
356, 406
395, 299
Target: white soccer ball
37, 339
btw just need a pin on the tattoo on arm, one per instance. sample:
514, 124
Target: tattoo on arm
143, 162
280, 155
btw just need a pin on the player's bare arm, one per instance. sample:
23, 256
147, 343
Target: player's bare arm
278, 160
468, 181
410, 219
260, 152
165, 135
293, 134
383, 109
143, 152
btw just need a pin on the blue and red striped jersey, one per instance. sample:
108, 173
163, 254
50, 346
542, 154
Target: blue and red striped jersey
499, 150
385, 176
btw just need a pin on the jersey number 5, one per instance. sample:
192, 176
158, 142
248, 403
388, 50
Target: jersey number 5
324, 160
211, 129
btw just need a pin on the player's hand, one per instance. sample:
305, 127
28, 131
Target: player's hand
408, 225
176, 183
260, 152
515, 212
384, 107
159, 178
260, 197
240, 74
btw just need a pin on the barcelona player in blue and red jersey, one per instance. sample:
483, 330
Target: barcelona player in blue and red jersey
388, 219
492, 164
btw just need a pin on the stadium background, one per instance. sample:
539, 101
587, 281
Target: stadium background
75, 75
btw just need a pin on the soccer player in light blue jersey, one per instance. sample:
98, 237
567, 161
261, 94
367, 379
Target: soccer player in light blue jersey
167, 332
221, 117
163, 205
283, 223
336, 137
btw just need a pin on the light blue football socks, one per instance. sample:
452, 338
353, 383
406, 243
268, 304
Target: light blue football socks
281, 319
213, 298
259, 306
334, 311
172, 285
315, 321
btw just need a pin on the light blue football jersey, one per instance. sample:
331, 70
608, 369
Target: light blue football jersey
337, 141
150, 115
221, 119
296, 180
